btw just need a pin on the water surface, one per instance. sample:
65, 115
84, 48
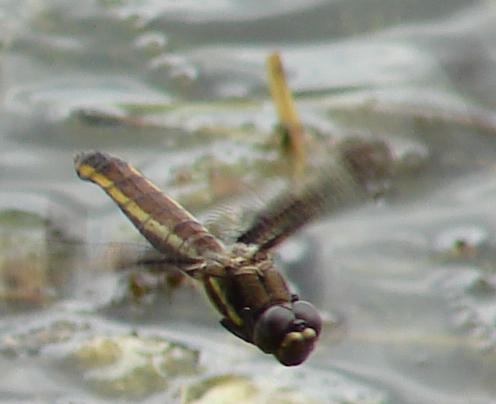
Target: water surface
411, 279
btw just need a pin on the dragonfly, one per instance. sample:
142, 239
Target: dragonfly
240, 280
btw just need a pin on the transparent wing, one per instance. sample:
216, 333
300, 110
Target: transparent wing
357, 166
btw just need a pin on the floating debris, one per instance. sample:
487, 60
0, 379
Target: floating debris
33, 341
23, 263
470, 284
131, 366
228, 389
270, 386
464, 244
290, 127
94, 117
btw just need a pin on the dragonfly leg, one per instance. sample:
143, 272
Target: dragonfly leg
200, 270
235, 329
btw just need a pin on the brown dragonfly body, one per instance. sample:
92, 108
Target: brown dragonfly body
240, 280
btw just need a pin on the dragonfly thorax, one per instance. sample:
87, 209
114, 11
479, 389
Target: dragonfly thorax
258, 306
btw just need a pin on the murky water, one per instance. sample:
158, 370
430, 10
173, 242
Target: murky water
182, 88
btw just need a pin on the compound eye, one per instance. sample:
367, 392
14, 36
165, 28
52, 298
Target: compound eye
271, 328
308, 313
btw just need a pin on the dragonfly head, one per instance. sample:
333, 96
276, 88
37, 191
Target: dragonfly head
289, 332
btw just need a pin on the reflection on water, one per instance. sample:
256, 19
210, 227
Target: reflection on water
411, 278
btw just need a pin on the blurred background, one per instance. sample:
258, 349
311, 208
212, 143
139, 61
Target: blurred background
407, 285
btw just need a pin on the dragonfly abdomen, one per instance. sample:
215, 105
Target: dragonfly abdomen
163, 222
